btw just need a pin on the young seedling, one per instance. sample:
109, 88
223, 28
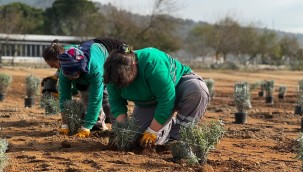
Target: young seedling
72, 114
300, 85
196, 142
282, 92
50, 104
125, 133
242, 101
3, 157
269, 89
32, 86
299, 106
254, 86
5, 81
262, 88
210, 83
300, 150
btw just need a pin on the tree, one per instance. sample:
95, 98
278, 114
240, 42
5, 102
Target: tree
289, 47
222, 37
268, 45
20, 18
248, 43
74, 18
156, 29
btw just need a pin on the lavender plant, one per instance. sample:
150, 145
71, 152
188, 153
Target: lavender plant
254, 86
32, 86
73, 111
262, 88
50, 104
210, 83
300, 85
300, 150
282, 90
196, 142
269, 88
3, 157
300, 98
5, 81
242, 96
126, 133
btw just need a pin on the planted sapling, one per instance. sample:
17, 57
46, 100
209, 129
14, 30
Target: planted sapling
242, 101
125, 134
50, 104
300, 150
72, 114
299, 106
32, 89
32, 86
262, 88
196, 142
210, 83
5, 81
269, 89
282, 91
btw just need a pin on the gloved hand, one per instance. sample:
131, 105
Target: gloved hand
83, 132
64, 129
149, 138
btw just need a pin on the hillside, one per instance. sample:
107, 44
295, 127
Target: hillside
184, 25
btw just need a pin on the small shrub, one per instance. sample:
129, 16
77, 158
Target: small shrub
263, 86
3, 157
300, 98
50, 104
32, 86
300, 150
5, 81
73, 111
196, 142
269, 88
300, 85
254, 86
242, 96
125, 133
282, 90
210, 83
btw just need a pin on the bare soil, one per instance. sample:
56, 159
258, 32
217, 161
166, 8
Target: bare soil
266, 143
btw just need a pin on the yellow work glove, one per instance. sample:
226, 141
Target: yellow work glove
55, 77
64, 129
149, 138
83, 132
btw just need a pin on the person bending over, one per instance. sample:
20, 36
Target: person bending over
159, 85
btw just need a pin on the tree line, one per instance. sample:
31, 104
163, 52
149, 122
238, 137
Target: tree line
159, 29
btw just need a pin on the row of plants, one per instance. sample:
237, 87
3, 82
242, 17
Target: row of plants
48, 102
242, 94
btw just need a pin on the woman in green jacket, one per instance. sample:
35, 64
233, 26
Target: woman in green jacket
159, 85
83, 66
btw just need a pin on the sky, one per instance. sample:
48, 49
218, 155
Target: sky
282, 15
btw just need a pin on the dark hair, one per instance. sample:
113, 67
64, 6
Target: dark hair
120, 68
51, 53
110, 44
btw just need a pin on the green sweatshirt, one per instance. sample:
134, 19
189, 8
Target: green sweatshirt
157, 76
94, 78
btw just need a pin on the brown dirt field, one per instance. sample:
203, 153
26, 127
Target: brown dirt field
266, 143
